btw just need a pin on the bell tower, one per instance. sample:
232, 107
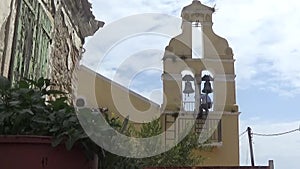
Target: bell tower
206, 79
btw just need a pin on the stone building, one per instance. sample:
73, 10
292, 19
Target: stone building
44, 38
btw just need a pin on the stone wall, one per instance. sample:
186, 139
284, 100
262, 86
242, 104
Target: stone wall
73, 21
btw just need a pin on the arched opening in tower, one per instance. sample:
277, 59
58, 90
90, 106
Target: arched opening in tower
197, 40
206, 92
188, 91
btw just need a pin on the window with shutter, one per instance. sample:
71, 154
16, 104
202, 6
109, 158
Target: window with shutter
31, 42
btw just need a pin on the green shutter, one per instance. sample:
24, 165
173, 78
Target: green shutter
32, 41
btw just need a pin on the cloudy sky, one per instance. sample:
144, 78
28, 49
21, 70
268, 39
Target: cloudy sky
264, 36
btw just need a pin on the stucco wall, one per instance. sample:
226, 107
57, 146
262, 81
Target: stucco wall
227, 152
218, 60
102, 92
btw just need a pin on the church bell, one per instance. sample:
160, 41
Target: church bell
188, 88
207, 88
207, 85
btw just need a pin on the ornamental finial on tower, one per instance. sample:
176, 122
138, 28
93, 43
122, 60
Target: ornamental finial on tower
197, 12
196, 1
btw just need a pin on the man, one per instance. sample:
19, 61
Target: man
205, 104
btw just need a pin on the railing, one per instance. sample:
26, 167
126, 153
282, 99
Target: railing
189, 106
208, 127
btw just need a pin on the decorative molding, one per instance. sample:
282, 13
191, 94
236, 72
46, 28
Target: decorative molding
167, 76
224, 77
226, 113
211, 60
213, 144
218, 60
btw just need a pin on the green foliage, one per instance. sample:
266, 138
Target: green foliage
180, 155
25, 110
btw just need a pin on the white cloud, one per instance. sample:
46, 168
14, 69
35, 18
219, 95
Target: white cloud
263, 35
128, 36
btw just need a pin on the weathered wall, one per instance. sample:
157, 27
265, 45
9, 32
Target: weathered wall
4, 16
71, 20
7, 17
66, 51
